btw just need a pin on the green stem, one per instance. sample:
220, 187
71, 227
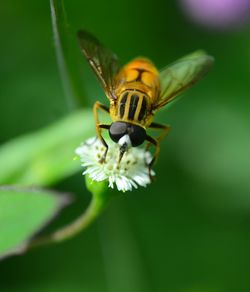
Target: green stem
92, 212
65, 55
99, 201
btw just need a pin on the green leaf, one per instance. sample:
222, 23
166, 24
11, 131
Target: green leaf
46, 156
23, 212
66, 52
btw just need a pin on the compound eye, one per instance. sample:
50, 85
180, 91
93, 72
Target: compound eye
137, 135
117, 130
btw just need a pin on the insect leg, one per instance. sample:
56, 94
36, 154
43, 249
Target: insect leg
156, 143
165, 129
97, 106
99, 126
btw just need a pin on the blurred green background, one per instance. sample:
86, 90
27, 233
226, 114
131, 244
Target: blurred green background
190, 230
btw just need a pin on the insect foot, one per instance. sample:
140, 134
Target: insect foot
102, 160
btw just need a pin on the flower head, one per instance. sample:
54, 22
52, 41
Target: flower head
126, 173
220, 14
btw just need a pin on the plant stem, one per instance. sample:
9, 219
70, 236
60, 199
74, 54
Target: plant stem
95, 208
66, 55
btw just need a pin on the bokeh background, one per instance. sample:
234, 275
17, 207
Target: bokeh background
190, 230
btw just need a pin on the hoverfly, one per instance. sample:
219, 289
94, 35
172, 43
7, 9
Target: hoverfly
137, 91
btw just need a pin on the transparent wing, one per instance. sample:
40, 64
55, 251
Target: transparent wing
103, 61
182, 74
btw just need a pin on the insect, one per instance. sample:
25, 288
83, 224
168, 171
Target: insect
137, 91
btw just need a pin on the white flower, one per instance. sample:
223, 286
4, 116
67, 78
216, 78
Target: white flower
131, 171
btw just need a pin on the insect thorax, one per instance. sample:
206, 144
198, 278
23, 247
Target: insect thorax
137, 89
131, 106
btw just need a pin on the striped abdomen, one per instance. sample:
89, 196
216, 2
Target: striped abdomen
132, 106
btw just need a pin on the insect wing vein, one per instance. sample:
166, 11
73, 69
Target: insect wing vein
182, 74
102, 60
